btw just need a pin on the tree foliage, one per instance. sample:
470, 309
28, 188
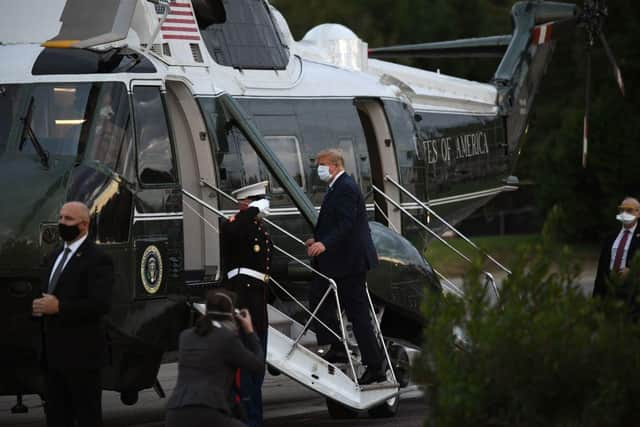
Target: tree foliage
543, 355
551, 154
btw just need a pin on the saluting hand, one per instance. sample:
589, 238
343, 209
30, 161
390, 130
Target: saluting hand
316, 249
47, 304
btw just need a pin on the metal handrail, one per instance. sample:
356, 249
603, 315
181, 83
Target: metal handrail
231, 198
449, 226
433, 233
333, 286
270, 278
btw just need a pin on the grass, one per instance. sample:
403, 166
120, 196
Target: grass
505, 249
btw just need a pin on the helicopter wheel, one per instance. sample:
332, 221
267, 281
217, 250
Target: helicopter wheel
338, 411
388, 408
129, 398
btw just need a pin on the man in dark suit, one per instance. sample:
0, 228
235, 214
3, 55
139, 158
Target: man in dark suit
619, 248
343, 250
246, 250
76, 296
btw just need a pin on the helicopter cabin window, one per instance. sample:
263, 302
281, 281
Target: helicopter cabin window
350, 165
287, 148
110, 134
55, 117
155, 156
247, 39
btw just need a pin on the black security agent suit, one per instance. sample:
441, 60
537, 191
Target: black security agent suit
600, 287
344, 230
74, 338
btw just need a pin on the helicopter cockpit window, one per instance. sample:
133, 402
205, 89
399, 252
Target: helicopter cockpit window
8, 112
155, 157
110, 133
56, 114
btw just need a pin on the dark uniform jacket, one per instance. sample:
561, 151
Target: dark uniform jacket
344, 230
600, 286
75, 337
207, 365
246, 243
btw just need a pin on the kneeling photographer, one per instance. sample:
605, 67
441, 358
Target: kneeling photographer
209, 355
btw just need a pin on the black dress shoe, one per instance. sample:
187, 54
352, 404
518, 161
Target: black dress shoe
335, 355
371, 376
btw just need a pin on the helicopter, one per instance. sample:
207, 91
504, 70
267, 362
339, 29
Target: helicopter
126, 105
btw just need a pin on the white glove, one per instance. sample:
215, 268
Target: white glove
262, 205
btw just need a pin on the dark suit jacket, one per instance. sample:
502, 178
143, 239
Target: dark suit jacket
600, 286
75, 337
344, 230
207, 366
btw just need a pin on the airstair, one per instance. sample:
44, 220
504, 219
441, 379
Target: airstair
292, 346
448, 285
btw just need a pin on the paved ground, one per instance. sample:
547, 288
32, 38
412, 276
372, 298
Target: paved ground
287, 404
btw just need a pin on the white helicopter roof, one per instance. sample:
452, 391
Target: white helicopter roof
330, 61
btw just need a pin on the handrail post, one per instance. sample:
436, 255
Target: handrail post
379, 333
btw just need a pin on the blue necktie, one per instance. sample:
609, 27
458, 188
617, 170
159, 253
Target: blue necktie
56, 274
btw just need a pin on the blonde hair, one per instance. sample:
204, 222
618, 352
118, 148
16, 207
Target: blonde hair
334, 155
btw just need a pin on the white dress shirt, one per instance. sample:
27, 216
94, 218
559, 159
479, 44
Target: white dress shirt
616, 243
333, 181
73, 247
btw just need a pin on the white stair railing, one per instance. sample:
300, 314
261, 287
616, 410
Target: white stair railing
332, 288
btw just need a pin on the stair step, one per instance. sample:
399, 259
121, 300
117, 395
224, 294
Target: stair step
379, 386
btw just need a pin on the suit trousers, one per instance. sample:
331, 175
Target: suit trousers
74, 398
353, 300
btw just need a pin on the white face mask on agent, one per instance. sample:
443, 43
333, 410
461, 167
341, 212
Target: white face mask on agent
626, 218
323, 173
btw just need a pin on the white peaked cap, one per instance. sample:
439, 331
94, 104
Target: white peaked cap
257, 189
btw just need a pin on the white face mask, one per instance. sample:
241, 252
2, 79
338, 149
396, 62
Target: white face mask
323, 173
626, 218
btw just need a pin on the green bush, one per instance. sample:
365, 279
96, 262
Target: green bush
545, 354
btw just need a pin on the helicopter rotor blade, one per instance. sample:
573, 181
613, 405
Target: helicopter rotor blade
480, 47
587, 109
616, 70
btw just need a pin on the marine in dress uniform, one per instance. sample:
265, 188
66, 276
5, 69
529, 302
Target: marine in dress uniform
246, 257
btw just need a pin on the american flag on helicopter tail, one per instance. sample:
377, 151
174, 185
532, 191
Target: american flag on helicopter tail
180, 23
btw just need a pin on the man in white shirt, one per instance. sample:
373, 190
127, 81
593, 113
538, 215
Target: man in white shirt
619, 248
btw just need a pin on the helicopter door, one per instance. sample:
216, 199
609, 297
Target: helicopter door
157, 221
201, 242
382, 156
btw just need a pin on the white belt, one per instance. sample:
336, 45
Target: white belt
248, 272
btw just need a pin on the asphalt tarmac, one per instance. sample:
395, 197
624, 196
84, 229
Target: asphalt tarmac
286, 404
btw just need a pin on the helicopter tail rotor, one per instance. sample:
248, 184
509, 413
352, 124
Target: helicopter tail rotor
592, 18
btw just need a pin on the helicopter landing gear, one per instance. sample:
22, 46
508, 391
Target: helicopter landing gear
129, 398
19, 407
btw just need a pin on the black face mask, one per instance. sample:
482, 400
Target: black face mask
68, 232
